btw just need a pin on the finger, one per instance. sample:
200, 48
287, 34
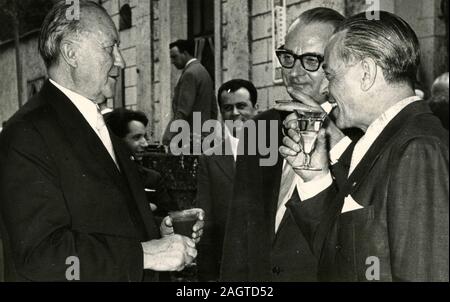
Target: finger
189, 242
286, 152
288, 142
303, 97
198, 225
294, 135
293, 106
290, 122
197, 234
168, 221
321, 144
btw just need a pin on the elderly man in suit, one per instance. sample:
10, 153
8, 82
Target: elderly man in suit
389, 220
71, 201
238, 103
262, 241
194, 92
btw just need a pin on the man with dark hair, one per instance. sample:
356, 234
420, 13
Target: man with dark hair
237, 102
194, 92
388, 221
262, 241
130, 126
72, 206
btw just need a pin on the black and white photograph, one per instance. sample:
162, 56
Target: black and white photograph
201, 143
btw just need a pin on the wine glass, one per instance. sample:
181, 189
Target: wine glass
308, 126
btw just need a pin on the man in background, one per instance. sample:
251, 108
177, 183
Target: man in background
238, 103
194, 92
130, 127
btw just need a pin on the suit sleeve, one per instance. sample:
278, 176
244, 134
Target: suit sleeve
38, 221
417, 212
188, 92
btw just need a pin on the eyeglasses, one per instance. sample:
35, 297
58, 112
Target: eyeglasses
310, 61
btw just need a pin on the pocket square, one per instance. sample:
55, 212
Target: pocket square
350, 205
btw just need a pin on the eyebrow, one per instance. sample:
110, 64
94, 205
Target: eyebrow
305, 53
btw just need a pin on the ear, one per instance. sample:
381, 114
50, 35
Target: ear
68, 53
369, 70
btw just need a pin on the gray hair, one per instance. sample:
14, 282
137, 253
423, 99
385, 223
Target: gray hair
57, 26
390, 41
318, 15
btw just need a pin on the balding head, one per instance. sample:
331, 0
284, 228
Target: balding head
57, 26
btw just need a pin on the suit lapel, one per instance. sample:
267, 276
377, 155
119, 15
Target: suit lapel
90, 148
383, 141
129, 170
225, 162
84, 140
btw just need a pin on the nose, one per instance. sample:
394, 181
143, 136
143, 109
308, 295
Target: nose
236, 111
297, 70
118, 58
324, 86
144, 142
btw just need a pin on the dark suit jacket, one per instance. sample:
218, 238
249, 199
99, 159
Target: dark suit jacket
402, 183
252, 251
214, 193
153, 180
61, 195
194, 93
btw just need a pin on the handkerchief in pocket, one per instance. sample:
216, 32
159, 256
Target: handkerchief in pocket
350, 205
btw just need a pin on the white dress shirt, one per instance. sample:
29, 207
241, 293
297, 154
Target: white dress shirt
234, 142
92, 115
312, 188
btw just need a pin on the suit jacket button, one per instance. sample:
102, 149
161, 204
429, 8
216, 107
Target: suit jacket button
276, 270
338, 247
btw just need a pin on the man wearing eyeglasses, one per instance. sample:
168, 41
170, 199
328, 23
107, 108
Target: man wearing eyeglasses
262, 241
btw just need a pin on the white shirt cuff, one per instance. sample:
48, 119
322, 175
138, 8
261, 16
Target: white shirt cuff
339, 149
327, 107
307, 190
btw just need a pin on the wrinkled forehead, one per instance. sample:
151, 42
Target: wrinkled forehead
312, 37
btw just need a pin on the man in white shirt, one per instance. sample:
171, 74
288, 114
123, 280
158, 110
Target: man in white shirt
238, 104
69, 193
262, 241
389, 220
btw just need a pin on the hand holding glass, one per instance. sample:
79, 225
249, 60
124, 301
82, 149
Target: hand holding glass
308, 126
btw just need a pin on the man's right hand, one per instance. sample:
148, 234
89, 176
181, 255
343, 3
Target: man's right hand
170, 253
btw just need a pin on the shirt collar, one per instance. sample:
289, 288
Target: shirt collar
87, 108
234, 141
190, 62
380, 123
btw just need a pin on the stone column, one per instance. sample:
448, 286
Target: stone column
236, 35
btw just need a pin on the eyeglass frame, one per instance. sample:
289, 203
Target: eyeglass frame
296, 57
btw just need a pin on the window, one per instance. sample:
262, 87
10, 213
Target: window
201, 29
125, 17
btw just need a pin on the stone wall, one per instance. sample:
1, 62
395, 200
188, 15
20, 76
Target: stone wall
33, 69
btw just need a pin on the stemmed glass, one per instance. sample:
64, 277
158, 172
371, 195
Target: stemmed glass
308, 126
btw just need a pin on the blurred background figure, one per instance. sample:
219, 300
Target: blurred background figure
439, 98
130, 127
